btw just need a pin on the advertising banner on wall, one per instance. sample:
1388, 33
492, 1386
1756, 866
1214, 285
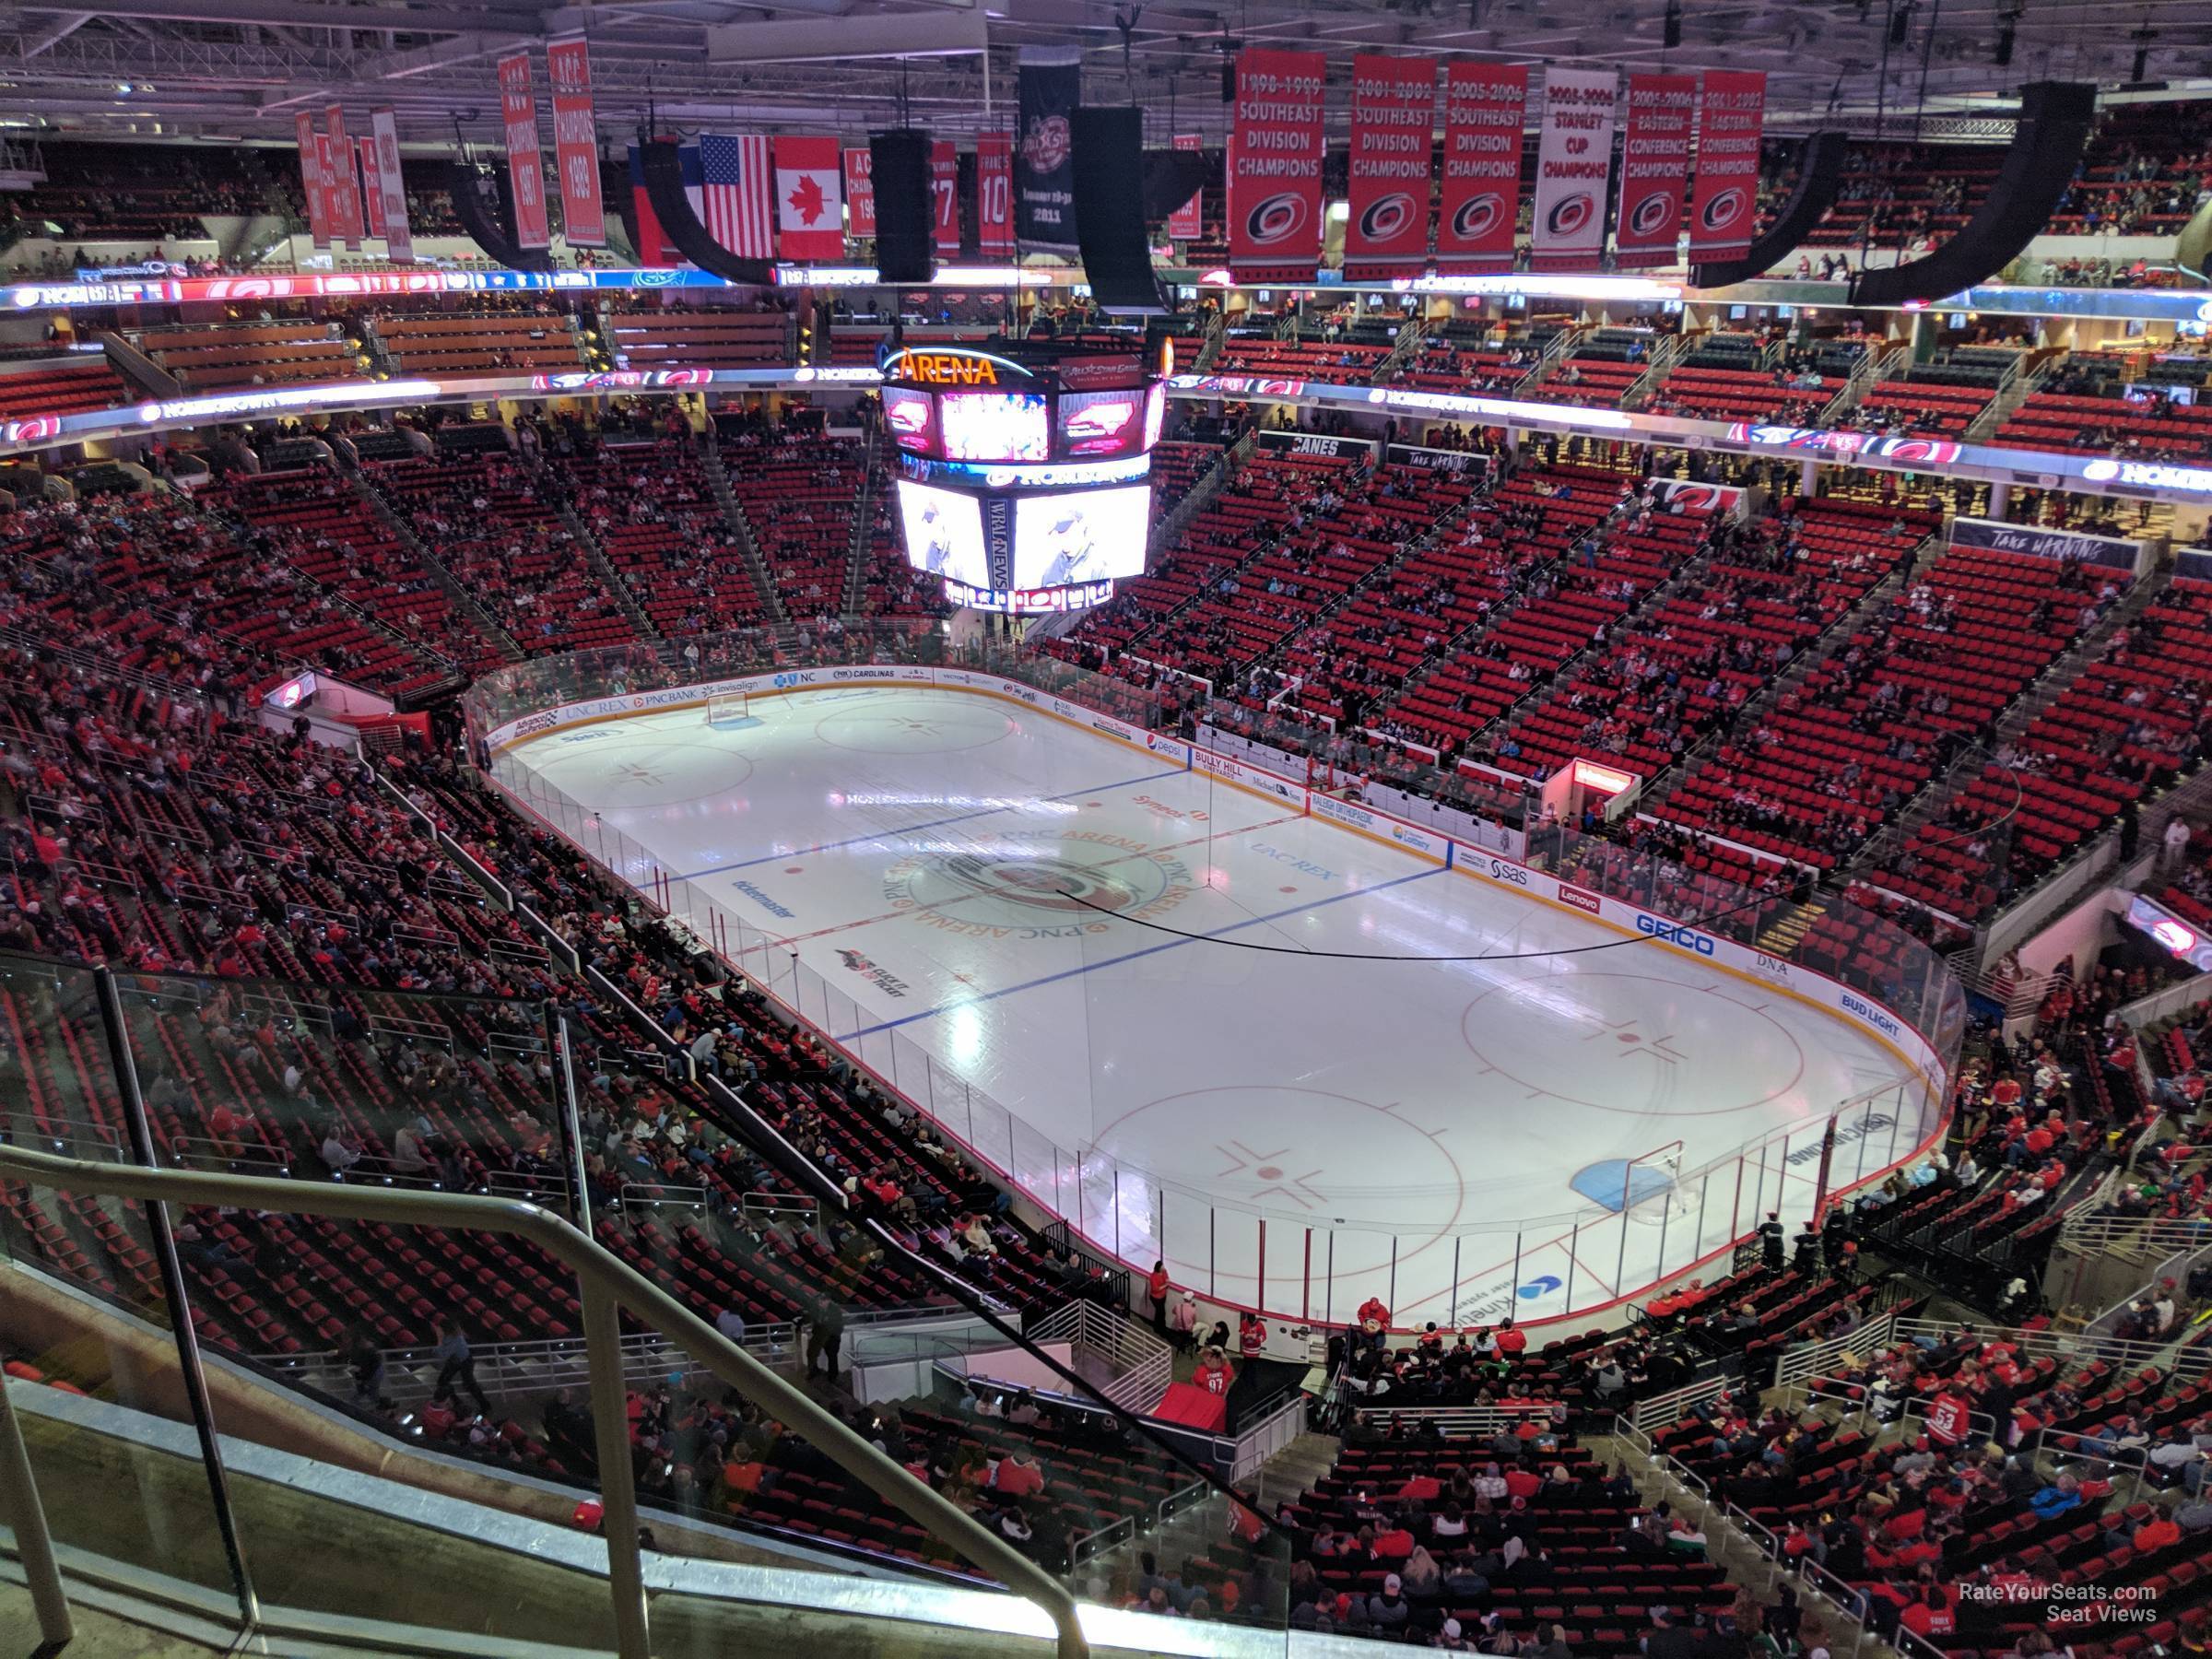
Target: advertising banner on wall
1394, 117
1654, 169
1574, 158
525, 168
1485, 106
576, 141
1732, 110
1275, 155
1044, 172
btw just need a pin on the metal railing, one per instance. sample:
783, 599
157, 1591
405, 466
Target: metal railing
609, 1287
1143, 1363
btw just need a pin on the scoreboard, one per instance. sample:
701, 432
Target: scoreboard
1024, 473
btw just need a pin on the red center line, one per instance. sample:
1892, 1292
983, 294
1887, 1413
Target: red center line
915, 910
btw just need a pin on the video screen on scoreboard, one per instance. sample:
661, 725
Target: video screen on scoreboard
1097, 425
1081, 535
913, 419
943, 533
993, 426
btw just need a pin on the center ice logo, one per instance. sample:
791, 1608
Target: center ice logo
1040, 895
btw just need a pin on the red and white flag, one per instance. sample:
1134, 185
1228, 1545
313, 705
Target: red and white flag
1732, 108
312, 145
1275, 155
995, 195
576, 143
1187, 223
399, 246
1394, 119
525, 169
1574, 157
372, 190
860, 194
737, 181
810, 222
1485, 106
1654, 167
334, 207
944, 196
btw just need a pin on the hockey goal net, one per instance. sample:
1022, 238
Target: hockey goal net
1651, 1187
726, 707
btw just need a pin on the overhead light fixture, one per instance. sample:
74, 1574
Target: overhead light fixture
1671, 30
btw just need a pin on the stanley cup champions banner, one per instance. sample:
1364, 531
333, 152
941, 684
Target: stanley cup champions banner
518, 114
1044, 170
576, 143
1275, 152
1188, 221
1485, 106
1394, 117
995, 195
383, 132
1654, 167
1732, 108
1574, 158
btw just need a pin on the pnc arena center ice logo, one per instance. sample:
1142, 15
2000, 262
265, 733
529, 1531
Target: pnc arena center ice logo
1723, 209
1387, 217
1571, 215
1275, 219
1653, 214
1477, 216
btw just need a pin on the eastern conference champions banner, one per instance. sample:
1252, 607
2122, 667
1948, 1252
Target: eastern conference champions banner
518, 113
1394, 113
1574, 157
1654, 167
576, 143
1275, 152
1732, 108
1044, 170
1485, 105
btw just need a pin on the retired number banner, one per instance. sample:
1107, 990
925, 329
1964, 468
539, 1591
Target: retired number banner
995, 195
576, 143
1275, 152
1485, 108
1654, 167
1574, 158
384, 129
525, 170
944, 196
1394, 119
1732, 108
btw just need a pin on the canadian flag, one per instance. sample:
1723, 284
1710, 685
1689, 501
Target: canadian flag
810, 217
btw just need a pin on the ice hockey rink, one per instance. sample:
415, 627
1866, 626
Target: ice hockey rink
1451, 1136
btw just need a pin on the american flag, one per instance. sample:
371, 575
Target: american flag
740, 187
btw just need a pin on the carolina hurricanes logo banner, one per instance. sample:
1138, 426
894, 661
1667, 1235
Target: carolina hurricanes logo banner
576, 143
810, 220
310, 179
1485, 106
1187, 223
995, 195
518, 113
860, 194
1654, 167
1274, 149
944, 196
384, 134
1394, 116
1044, 168
1574, 157
1732, 108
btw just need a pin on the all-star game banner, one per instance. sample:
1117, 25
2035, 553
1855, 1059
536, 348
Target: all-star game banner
1044, 172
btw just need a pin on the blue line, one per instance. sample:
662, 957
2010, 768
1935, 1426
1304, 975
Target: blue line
932, 824
1134, 956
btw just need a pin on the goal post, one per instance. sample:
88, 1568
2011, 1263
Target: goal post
1651, 1185
726, 707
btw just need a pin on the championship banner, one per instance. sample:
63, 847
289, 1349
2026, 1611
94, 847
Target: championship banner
1654, 169
372, 188
399, 241
1485, 108
1394, 118
326, 168
311, 147
1187, 223
345, 191
576, 141
1274, 152
1732, 108
810, 220
1574, 157
995, 195
944, 196
1044, 171
525, 170
860, 194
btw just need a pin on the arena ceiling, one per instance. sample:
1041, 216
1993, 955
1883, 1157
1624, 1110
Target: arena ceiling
240, 69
